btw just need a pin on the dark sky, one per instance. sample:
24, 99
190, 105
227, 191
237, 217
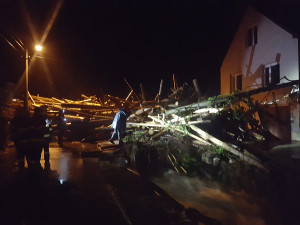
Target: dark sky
94, 44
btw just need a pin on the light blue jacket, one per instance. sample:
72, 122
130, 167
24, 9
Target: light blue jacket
119, 122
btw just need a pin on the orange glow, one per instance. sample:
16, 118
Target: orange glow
43, 39
39, 48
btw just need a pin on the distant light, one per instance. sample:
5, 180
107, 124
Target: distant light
39, 48
61, 181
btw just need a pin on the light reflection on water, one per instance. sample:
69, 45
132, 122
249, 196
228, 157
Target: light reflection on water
68, 167
63, 168
228, 207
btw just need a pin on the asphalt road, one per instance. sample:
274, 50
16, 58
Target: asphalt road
82, 190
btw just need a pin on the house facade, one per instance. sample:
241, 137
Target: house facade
263, 54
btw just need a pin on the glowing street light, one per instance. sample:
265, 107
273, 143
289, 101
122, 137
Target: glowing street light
38, 48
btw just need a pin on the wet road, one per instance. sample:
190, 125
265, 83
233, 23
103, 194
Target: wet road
92, 190
76, 190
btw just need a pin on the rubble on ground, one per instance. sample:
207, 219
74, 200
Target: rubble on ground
229, 123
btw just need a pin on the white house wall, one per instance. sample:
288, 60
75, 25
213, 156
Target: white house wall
274, 45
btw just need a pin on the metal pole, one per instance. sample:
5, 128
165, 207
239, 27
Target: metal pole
26, 81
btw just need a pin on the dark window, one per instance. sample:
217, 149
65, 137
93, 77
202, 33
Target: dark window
255, 35
236, 83
232, 83
239, 82
275, 74
272, 74
249, 38
252, 36
267, 76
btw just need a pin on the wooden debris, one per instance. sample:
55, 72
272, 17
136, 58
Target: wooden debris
159, 113
160, 90
197, 89
143, 93
248, 158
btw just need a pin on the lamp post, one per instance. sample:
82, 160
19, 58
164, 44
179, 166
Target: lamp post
26, 81
38, 48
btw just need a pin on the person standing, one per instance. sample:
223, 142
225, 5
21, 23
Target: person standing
21, 135
47, 136
37, 127
3, 129
61, 127
119, 125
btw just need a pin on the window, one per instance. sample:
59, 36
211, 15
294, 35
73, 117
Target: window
252, 36
235, 82
271, 74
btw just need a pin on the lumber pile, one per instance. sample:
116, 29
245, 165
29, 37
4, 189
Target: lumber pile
183, 111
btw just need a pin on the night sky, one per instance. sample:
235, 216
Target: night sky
93, 45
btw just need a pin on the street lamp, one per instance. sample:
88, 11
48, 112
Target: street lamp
38, 48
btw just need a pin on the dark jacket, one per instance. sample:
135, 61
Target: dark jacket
37, 127
21, 130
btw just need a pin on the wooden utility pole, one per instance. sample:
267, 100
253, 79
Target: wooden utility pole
26, 81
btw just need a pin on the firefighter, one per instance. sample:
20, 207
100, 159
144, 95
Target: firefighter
21, 135
37, 127
61, 126
47, 136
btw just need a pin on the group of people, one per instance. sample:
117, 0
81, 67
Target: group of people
31, 135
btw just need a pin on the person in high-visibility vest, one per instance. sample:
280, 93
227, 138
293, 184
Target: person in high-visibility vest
37, 126
20, 132
61, 127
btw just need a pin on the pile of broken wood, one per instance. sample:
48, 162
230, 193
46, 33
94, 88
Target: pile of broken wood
171, 121
163, 114
103, 109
